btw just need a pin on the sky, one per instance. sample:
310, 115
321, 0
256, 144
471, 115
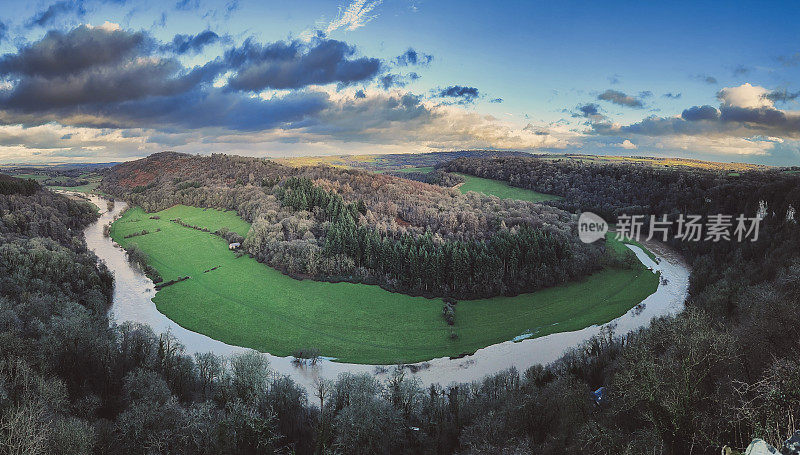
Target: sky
92, 81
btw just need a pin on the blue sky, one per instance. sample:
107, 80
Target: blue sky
82, 80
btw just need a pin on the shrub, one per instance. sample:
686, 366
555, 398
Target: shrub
449, 313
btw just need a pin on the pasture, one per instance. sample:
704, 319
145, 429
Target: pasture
502, 189
246, 303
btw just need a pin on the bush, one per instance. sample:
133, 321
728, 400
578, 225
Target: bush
449, 313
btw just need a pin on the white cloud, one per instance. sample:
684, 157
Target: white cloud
716, 145
627, 145
107, 26
356, 15
745, 96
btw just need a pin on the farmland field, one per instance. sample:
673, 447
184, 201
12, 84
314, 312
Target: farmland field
53, 182
246, 303
502, 189
407, 170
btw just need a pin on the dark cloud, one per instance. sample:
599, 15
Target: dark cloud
83, 48
391, 80
412, 57
671, 95
706, 120
360, 94
136, 80
464, 93
646, 94
52, 12
215, 108
705, 112
287, 65
587, 110
783, 96
496, 100
100, 77
192, 44
396, 80
765, 116
91, 66
620, 98
393, 115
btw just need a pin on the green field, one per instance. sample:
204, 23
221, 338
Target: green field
407, 170
502, 189
246, 303
91, 187
37, 177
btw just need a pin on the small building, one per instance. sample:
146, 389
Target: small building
234, 245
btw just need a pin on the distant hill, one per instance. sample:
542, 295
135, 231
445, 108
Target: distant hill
399, 161
393, 161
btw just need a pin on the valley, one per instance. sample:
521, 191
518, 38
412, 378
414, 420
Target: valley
245, 303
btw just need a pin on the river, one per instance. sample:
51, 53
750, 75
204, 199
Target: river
133, 292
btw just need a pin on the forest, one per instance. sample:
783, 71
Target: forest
350, 225
719, 374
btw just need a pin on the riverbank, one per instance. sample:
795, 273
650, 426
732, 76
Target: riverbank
134, 293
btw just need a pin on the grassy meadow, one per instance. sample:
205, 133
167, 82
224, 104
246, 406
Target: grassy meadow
90, 187
502, 189
246, 303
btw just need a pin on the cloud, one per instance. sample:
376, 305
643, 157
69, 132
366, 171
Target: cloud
782, 96
745, 112
588, 110
356, 15
620, 98
83, 48
109, 78
646, 94
52, 12
392, 80
230, 7
291, 65
745, 96
496, 100
192, 44
187, 5
106, 92
464, 93
391, 118
790, 60
90, 67
627, 145
670, 95
412, 57
696, 113
3, 31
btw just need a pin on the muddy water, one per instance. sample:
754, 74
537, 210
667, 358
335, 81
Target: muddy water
133, 293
